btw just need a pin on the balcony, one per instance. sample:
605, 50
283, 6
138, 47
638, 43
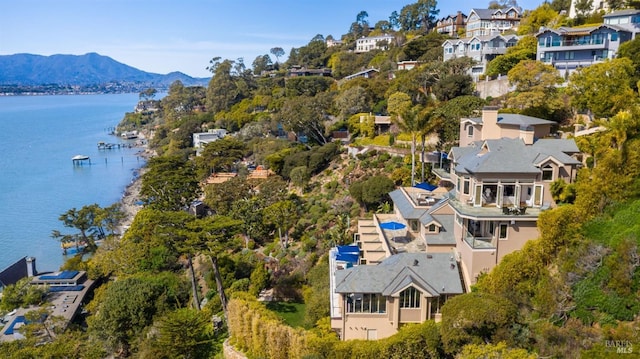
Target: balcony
479, 242
575, 44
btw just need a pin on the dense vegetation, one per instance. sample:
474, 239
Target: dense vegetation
175, 285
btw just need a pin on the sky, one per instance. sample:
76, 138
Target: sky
163, 36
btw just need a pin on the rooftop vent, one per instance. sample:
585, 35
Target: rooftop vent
415, 262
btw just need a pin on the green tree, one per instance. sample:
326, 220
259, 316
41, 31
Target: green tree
22, 294
603, 88
277, 52
559, 5
130, 304
353, 100
418, 16
92, 222
169, 183
148, 94
410, 119
261, 63
543, 15
221, 156
536, 85
222, 91
184, 333
283, 215
631, 50
476, 318
306, 115
525, 49
372, 191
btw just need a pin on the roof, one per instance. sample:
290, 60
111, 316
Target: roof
405, 206
496, 156
487, 14
580, 31
445, 236
435, 273
513, 119
624, 12
482, 39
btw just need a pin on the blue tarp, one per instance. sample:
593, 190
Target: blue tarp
426, 186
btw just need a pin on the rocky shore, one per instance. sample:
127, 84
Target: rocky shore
129, 203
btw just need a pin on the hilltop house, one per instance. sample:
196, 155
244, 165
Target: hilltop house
366, 44
483, 22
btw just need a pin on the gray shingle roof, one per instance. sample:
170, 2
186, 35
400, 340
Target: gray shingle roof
436, 273
521, 120
508, 155
404, 205
445, 236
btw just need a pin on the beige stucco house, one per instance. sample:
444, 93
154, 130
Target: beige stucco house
498, 182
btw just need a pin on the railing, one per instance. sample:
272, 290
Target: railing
479, 242
559, 43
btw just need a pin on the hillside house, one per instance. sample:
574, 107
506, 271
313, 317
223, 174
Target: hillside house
452, 24
497, 184
366, 44
201, 139
570, 48
484, 22
481, 49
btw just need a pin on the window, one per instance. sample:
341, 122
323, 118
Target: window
410, 298
569, 55
432, 228
469, 130
366, 303
465, 189
614, 36
503, 230
547, 173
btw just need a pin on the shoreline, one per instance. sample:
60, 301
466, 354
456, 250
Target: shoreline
131, 195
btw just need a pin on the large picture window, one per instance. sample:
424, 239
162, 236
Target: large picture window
410, 298
366, 303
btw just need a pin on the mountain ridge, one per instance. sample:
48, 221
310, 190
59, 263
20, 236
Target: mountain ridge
90, 69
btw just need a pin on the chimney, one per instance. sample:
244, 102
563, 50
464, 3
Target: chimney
526, 134
490, 129
31, 267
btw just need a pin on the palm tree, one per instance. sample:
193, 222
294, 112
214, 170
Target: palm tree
409, 119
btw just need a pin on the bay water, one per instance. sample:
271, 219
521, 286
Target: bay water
38, 180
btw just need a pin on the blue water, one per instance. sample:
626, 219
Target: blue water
38, 181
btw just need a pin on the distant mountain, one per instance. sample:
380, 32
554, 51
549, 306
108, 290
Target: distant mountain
81, 70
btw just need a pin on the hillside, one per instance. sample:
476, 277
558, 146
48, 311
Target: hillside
80, 70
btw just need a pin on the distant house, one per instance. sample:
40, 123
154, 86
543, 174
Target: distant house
148, 106
596, 5
366, 44
452, 24
484, 22
331, 42
570, 48
482, 49
368, 73
303, 71
200, 139
407, 65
